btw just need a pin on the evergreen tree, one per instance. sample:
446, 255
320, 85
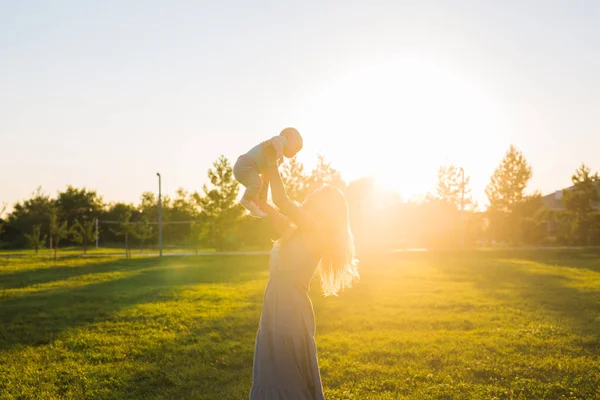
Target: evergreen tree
581, 201
220, 206
508, 183
506, 194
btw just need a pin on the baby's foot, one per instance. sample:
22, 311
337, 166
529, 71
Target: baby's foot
254, 209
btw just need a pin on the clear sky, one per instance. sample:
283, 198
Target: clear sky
103, 94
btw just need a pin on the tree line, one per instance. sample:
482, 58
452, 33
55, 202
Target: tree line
212, 217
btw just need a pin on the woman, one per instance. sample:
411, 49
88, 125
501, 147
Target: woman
315, 235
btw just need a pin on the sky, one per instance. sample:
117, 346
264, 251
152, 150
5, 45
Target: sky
105, 94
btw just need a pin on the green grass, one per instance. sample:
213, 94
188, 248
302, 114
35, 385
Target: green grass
480, 325
78, 251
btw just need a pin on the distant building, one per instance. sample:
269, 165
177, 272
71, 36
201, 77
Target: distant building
554, 200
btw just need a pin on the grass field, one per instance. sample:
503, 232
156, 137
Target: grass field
479, 325
76, 251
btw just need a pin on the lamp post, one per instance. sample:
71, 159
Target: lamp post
160, 244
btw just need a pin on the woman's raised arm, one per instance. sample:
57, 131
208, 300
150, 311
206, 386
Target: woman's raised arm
279, 221
280, 198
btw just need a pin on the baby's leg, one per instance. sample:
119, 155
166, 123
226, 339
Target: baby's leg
264, 192
254, 188
245, 173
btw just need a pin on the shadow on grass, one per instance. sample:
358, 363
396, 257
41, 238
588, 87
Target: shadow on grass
581, 259
574, 258
213, 361
39, 318
512, 280
59, 271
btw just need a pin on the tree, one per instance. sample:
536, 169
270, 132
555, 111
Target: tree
220, 206
2, 223
196, 229
505, 192
508, 183
149, 206
295, 179
126, 229
58, 230
84, 233
584, 196
143, 231
324, 174
183, 208
450, 186
445, 209
114, 215
74, 204
36, 240
581, 200
529, 220
29, 213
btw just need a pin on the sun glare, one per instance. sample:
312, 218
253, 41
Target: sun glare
399, 120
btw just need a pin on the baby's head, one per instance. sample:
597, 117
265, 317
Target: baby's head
293, 142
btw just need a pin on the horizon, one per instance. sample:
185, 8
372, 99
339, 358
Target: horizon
104, 97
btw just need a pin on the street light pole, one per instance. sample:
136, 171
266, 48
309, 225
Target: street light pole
160, 241
462, 208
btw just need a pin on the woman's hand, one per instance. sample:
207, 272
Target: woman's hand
263, 205
280, 222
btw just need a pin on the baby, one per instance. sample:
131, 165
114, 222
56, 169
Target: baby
250, 166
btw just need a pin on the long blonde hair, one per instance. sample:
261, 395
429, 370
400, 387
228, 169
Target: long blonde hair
334, 241
339, 270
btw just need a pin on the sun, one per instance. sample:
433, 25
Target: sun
398, 120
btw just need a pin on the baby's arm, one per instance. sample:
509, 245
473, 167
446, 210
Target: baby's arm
278, 143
